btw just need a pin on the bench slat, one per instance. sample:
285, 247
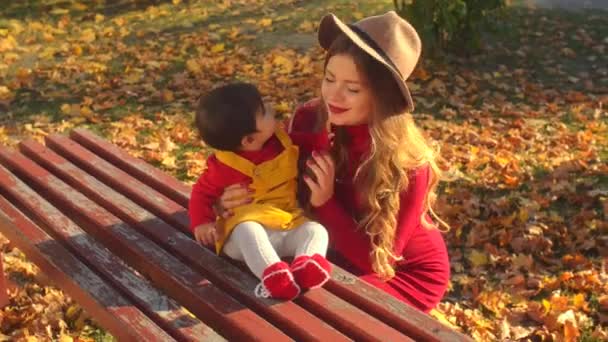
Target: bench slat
389, 309
114, 177
210, 304
290, 317
160, 308
348, 318
110, 309
345, 317
164, 183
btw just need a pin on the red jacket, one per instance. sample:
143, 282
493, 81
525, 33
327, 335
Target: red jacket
422, 277
217, 176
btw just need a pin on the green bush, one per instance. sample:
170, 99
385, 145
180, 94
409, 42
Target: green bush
449, 25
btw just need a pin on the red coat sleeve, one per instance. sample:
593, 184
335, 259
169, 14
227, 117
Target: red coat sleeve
205, 192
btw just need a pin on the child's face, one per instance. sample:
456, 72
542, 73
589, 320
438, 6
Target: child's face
266, 125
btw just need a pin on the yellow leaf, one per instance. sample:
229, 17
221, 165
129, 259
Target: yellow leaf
193, 66
358, 15
77, 50
66, 338
88, 36
285, 64
441, 317
5, 93
86, 112
217, 48
134, 76
523, 215
307, 26
477, 258
70, 109
177, 2
167, 144
72, 311
167, 96
546, 305
579, 301
265, 22
234, 32
59, 11
169, 162
282, 107
48, 37
502, 161
7, 43
154, 146
99, 18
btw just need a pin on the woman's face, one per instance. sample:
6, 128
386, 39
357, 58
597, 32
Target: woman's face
345, 93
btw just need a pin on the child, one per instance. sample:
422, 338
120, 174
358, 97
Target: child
251, 148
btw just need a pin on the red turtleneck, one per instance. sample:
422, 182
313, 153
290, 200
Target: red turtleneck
422, 276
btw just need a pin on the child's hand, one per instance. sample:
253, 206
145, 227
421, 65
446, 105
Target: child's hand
206, 234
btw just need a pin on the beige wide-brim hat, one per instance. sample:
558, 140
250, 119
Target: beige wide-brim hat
388, 38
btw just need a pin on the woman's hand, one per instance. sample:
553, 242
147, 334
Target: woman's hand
233, 196
321, 189
206, 234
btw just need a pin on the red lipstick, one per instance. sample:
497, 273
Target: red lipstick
336, 110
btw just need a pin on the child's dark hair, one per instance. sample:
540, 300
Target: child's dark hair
227, 114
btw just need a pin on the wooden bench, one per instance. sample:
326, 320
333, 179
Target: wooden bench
112, 232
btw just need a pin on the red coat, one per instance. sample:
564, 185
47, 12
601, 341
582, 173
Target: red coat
422, 277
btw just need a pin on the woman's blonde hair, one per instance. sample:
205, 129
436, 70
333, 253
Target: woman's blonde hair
397, 148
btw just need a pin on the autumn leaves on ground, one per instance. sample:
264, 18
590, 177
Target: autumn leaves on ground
523, 125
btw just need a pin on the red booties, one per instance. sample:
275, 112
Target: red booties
311, 272
277, 282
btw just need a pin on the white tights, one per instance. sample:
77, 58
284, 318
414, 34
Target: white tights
261, 247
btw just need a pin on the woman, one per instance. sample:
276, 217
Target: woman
374, 191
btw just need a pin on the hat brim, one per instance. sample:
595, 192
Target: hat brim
330, 27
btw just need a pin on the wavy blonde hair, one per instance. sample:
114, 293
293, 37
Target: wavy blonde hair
397, 148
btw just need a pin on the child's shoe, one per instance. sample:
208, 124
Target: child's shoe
277, 282
311, 272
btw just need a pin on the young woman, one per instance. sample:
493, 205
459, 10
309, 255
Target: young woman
375, 189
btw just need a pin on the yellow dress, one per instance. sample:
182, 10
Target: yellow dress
275, 182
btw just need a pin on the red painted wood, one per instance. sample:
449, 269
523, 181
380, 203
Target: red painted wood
288, 316
162, 309
390, 310
115, 178
3, 288
106, 305
210, 304
141, 170
347, 318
